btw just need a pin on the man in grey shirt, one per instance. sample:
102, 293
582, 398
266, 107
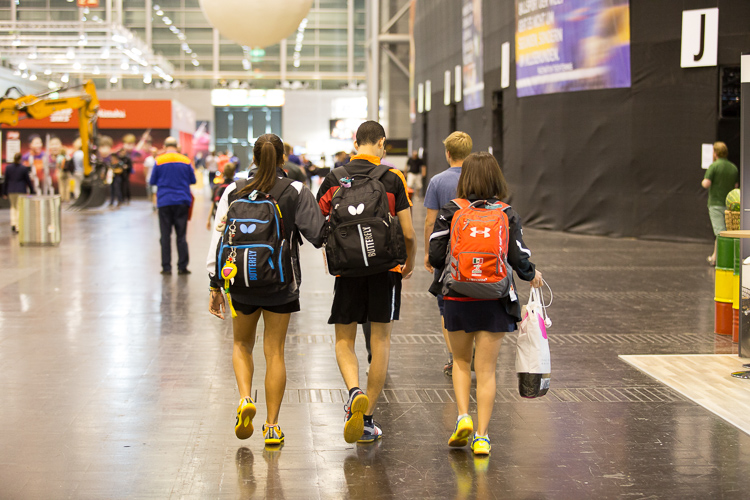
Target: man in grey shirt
441, 190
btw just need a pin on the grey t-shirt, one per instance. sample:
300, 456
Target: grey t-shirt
442, 188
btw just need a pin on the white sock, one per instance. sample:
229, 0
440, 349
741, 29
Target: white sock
462, 416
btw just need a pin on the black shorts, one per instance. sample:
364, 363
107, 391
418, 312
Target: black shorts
375, 298
473, 316
247, 309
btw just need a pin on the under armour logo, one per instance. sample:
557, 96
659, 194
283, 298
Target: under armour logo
357, 210
485, 232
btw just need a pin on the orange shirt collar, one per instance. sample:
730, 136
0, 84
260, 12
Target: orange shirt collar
370, 158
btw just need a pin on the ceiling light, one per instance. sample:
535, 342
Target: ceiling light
71, 54
25, 74
156, 7
52, 85
136, 51
96, 70
196, 63
17, 72
124, 66
47, 71
105, 53
113, 79
32, 77
22, 65
246, 65
33, 54
65, 78
76, 65
147, 78
167, 20
296, 63
82, 40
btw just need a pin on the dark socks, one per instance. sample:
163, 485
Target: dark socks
368, 419
351, 391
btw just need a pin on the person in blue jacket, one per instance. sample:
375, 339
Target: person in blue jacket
172, 175
17, 183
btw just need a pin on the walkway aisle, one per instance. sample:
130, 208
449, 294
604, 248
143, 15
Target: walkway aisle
115, 382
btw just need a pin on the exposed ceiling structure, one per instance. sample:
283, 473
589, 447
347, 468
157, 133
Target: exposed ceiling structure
137, 43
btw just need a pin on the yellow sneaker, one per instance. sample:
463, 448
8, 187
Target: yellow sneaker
481, 445
272, 434
462, 433
354, 423
243, 428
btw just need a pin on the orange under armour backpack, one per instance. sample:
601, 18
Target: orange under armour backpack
477, 261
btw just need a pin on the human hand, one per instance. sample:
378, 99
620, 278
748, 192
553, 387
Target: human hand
208, 225
427, 265
408, 269
537, 282
216, 305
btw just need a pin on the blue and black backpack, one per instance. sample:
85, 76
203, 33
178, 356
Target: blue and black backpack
255, 242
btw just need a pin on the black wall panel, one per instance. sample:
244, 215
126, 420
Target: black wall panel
618, 162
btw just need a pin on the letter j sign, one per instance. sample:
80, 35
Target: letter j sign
700, 38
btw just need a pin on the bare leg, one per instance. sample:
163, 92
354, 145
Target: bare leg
380, 342
345, 355
485, 364
462, 343
243, 327
445, 335
274, 338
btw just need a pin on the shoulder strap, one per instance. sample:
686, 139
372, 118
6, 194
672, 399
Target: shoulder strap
340, 173
239, 185
278, 189
462, 203
379, 171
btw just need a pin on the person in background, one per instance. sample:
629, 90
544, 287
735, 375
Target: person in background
441, 190
148, 167
227, 178
417, 170
721, 177
173, 175
134, 154
341, 159
200, 161
292, 169
127, 168
35, 160
17, 182
57, 161
77, 166
295, 159
212, 168
222, 160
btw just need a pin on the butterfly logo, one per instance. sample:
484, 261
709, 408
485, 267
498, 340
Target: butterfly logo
247, 229
357, 210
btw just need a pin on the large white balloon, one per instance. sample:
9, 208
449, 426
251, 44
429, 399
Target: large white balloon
256, 23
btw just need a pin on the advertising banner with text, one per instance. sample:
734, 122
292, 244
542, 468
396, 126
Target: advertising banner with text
473, 54
571, 45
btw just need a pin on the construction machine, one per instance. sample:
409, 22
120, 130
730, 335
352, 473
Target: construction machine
93, 190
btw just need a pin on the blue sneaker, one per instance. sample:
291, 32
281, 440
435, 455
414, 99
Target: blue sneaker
355, 409
372, 432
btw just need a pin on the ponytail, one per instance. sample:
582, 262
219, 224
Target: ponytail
268, 153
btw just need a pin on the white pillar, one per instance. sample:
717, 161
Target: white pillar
373, 61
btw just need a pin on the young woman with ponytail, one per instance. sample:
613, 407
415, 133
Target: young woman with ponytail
300, 215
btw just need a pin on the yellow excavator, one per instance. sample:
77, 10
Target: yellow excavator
93, 190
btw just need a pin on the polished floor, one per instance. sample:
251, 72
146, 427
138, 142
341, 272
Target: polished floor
115, 382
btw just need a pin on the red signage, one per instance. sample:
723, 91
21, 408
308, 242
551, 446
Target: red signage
112, 115
88, 3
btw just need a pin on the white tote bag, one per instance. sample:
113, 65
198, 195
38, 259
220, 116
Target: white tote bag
532, 352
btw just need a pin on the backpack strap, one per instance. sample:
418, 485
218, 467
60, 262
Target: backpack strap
340, 173
379, 171
461, 202
278, 189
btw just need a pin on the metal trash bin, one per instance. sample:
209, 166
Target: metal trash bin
39, 220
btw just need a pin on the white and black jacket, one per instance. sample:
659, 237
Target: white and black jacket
301, 212
518, 254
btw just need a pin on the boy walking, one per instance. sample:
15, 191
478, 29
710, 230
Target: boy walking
376, 297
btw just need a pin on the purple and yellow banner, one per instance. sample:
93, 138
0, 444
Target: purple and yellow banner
571, 45
473, 54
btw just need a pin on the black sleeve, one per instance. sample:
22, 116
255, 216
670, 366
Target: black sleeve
518, 254
441, 235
